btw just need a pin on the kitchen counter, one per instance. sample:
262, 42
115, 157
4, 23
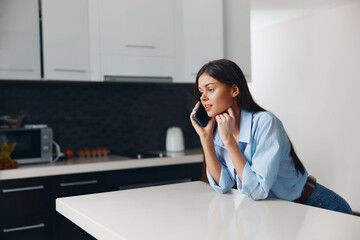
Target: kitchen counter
96, 164
195, 211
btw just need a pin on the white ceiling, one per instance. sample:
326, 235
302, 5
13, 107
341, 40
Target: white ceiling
268, 12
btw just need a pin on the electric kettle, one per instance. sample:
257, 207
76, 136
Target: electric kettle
174, 141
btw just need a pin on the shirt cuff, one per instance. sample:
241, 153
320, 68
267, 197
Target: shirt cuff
225, 181
250, 185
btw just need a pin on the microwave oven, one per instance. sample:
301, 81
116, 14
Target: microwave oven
33, 145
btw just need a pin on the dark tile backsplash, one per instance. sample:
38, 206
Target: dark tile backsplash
120, 116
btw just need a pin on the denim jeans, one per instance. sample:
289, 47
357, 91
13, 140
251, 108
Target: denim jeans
323, 197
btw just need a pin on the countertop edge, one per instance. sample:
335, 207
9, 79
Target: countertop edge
63, 169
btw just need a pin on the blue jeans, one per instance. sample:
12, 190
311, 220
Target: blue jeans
323, 197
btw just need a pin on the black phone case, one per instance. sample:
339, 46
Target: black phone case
201, 116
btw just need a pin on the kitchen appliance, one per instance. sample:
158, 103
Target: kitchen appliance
174, 141
33, 143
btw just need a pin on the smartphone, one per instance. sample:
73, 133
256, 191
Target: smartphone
201, 116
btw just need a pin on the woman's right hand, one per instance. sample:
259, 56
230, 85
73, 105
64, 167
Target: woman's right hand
205, 133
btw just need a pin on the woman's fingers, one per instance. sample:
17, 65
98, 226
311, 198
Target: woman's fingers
219, 118
194, 109
197, 105
222, 117
193, 121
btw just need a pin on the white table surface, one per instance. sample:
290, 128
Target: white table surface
195, 211
96, 164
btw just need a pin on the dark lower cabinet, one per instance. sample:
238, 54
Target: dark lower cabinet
152, 176
78, 184
65, 229
27, 206
72, 185
25, 209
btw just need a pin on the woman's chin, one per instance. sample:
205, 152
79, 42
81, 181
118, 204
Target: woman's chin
210, 114
213, 113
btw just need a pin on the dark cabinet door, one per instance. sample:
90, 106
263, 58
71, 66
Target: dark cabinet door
24, 209
64, 229
152, 176
72, 185
77, 184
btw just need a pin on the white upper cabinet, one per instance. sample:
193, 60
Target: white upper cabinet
66, 47
202, 35
121, 40
19, 40
136, 38
237, 34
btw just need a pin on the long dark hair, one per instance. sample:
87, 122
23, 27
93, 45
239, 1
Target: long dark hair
230, 73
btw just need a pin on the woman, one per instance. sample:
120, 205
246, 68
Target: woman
247, 145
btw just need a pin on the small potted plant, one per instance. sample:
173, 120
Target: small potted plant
5, 160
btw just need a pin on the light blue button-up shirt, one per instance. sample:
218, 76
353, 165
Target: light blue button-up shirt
269, 171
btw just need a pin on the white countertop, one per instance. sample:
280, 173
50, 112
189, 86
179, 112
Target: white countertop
84, 165
195, 211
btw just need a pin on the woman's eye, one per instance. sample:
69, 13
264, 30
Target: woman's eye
211, 90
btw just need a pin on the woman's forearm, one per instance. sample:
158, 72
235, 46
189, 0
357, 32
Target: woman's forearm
236, 157
212, 163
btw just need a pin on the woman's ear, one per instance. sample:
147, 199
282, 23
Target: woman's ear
235, 90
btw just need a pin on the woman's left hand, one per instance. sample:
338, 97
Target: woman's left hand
226, 125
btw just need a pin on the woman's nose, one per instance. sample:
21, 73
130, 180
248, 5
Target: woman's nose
203, 97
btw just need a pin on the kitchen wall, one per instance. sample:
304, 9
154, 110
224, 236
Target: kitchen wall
307, 72
119, 116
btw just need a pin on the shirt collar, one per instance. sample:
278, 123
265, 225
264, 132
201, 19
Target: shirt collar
245, 129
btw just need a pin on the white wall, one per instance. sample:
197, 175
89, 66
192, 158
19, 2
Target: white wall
307, 72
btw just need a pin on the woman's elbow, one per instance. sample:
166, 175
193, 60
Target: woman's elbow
256, 198
222, 189
258, 195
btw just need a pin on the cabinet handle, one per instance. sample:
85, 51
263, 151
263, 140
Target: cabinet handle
140, 46
16, 69
78, 183
22, 189
41, 225
69, 70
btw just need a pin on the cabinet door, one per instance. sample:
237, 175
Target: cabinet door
77, 184
72, 185
19, 40
137, 37
237, 34
152, 176
203, 34
25, 209
139, 27
66, 39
